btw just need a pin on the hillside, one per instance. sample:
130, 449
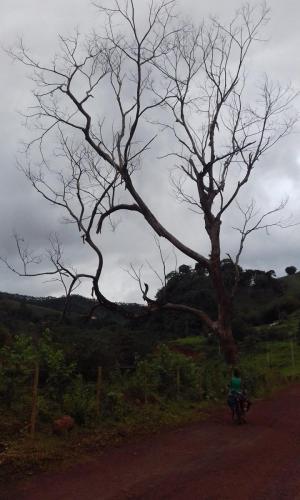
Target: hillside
261, 299
265, 307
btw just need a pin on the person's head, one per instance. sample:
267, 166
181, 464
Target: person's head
236, 373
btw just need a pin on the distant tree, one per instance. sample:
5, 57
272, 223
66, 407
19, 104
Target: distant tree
171, 275
200, 269
290, 270
230, 272
184, 269
247, 277
187, 81
262, 279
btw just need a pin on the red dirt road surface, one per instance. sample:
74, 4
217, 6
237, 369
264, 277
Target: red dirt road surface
210, 460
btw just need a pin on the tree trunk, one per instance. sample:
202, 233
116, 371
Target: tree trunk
224, 300
228, 346
227, 342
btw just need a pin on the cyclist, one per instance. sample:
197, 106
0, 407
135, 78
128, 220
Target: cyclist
236, 382
237, 397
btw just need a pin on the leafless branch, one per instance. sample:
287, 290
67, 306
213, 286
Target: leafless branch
188, 82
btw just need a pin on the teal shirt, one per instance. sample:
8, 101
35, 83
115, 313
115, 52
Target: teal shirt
236, 384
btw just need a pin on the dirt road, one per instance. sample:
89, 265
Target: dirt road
211, 460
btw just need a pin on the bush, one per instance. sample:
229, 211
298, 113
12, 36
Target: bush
240, 329
274, 332
114, 405
79, 401
251, 343
258, 379
270, 315
166, 374
48, 410
289, 305
17, 361
215, 380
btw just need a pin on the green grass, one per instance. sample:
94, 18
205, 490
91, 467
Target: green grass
283, 356
193, 343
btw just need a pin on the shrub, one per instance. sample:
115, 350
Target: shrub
166, 374
114, 405
214, 377
258, 379
289, 305
79, 401
251, 342
240, 329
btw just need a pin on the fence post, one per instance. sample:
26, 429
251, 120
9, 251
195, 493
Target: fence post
268, 359
98, 390
34, 406
145, 389
292, 353
177, 381
200, 386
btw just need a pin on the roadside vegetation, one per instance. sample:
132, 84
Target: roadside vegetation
118, 379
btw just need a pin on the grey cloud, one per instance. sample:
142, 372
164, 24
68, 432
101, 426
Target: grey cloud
21, 209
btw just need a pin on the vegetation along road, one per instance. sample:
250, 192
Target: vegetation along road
213, 459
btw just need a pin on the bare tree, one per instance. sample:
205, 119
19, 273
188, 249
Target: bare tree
171, 76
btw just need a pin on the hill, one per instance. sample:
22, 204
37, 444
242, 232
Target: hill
261, 299
266, 306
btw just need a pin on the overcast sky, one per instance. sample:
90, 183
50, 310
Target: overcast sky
22, 210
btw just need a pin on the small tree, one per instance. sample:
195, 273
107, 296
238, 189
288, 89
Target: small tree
184, 269
185, 80
290, 270
21, 360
